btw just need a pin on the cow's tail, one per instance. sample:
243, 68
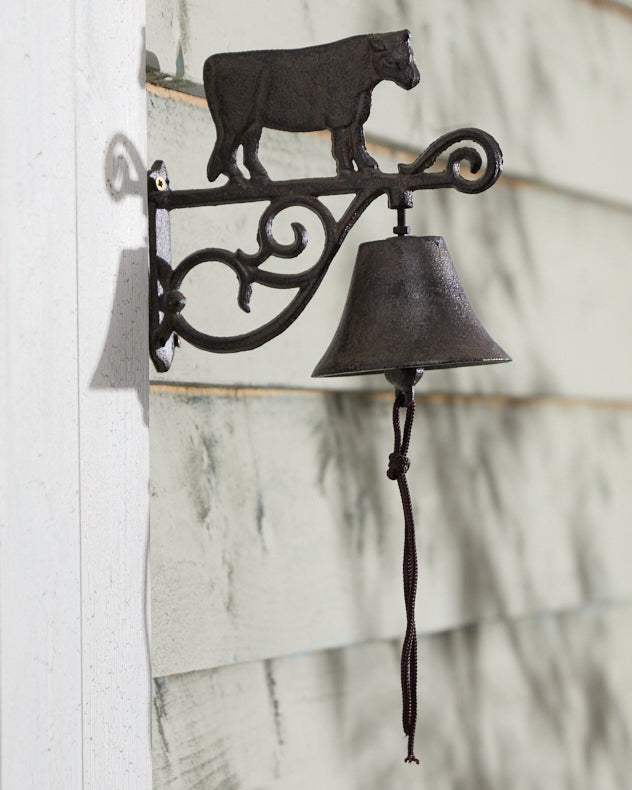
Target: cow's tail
214, 167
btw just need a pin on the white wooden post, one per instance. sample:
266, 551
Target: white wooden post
74, 657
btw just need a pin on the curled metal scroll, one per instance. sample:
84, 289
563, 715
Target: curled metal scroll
248, 271
167, 301
452, 172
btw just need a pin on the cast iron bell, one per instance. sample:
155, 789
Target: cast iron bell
406, 309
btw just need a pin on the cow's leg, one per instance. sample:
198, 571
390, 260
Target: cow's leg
341, 150
251, 149
224, 156
226, 148
357, 144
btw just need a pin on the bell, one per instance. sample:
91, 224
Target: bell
406, 311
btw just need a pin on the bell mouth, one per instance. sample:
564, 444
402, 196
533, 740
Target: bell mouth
424, 365
406, 308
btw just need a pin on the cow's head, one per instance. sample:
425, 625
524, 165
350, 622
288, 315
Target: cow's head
393, 58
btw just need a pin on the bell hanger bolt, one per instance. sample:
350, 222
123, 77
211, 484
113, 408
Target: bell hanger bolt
401, 229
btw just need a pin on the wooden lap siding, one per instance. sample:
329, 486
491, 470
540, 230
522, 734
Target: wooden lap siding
276, 536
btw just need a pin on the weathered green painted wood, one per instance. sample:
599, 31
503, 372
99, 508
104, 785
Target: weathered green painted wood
551, 81
537, 703
275, 529
548, 275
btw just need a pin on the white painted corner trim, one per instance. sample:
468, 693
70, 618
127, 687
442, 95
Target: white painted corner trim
74, 653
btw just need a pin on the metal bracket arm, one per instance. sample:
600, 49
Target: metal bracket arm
166, 299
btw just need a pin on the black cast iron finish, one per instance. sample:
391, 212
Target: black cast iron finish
302, 90
328, 87
166, 299
406, 308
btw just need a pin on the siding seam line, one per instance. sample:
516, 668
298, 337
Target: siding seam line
82, 712
434, 398
467, 626
611, 7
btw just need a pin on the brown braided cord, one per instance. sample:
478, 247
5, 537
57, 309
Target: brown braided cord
397, 468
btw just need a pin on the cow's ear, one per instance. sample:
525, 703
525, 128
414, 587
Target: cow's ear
377, 43
406, 35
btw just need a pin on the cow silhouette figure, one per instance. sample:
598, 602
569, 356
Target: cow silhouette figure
302, 90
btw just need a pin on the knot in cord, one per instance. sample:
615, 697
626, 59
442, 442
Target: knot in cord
398, 465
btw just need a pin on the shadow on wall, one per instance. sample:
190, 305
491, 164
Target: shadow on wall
556, 666
562, 671
562, 699
120, 366
123, 364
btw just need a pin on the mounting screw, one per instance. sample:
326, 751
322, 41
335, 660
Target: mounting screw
173, 301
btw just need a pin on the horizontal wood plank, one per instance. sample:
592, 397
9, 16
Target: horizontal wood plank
546, 273
538, 703
549, 81
275, 529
